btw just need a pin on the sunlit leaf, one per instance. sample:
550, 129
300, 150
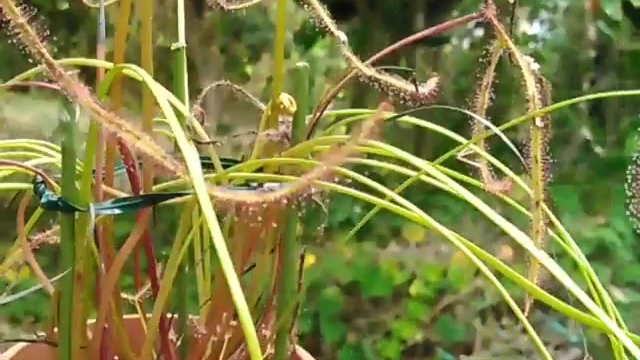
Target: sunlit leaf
417, 309
389, 348
419, 288
413, 232
613, 8
24, 272
11, 275
405, 329
309, 260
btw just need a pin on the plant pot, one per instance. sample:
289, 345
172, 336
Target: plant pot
134, 330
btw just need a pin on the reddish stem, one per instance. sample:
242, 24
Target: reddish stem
134, 180
131, 167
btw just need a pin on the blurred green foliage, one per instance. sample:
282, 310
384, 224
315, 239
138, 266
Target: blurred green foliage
396, 291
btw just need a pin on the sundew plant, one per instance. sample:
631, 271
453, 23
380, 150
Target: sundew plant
240, 229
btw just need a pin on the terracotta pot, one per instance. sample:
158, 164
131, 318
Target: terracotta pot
300, 354
135, 332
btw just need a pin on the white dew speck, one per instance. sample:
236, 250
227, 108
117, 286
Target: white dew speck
632, 191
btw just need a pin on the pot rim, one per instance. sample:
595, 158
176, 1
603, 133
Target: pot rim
12, 351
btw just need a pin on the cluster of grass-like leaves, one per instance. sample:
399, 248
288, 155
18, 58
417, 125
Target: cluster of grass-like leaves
225, 228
